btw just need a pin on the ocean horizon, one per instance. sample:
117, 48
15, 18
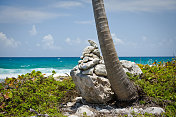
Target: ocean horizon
14, 66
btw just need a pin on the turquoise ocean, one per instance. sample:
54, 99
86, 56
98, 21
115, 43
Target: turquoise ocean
14, 66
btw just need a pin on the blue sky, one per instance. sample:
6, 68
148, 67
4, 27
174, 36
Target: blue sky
61, 28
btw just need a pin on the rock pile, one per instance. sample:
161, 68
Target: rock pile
90, 75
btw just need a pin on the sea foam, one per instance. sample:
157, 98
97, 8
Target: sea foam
4, 73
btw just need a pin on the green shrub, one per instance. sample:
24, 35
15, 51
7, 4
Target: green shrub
159, 83
33, 90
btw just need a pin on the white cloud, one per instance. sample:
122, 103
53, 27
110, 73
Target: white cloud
85, 22
33, 31
73, 41
117, 41
48, 42
12, 14
8, 42
67, 4
140, 5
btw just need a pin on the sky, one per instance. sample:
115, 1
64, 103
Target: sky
62, 28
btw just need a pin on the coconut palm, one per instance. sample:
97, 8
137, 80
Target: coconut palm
120, 83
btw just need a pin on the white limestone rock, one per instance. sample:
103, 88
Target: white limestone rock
131, 67
104, 111
96, 52
100, 70
101, 62
81, 57
80, 61
92, 88
91, 54
151, 110
85, 59
69, 104
91, 59
90, 64
154, 110
75, 68
88, 72
78, 99
95, 56
92, 43
88, 50
84, 110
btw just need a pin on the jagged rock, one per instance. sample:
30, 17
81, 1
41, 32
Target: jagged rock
104, 111
78, 99
81, 57
88, 50
69, 104
80, 61
85, 66
95, 56
131, 67
96, 52
91, 59
75, 68
84, 110
85, 59
92, 43
91, 55
125, 111
101, 62
100, 70
88, 72
154, 110
79, 108
92, 88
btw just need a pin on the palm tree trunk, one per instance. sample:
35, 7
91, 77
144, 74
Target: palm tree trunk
123, 88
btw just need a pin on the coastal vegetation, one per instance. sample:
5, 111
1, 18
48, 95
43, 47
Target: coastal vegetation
34, 91
158, 82
46, 95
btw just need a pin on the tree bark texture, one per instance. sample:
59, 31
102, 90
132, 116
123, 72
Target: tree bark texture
123, 88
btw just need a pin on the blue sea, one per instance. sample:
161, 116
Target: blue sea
14, 66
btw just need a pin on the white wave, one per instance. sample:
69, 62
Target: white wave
4, 73
25, 65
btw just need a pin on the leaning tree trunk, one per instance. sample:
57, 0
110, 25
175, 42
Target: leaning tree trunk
123, 88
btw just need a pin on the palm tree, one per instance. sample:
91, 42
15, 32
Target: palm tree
120, 83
